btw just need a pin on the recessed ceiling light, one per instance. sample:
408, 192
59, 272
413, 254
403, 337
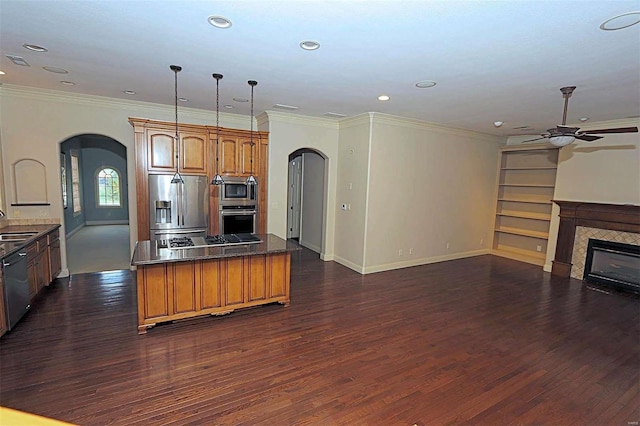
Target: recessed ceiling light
128, 92
34, 47
241, 100
621, 21
183, 99
583, 119
55, 70
18, 60
2, 73
498, 123
229, 106
310, 45
383, 98
67, 83
425, 84
219, 21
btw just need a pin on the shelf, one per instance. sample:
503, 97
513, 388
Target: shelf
513, 200
530, 168
527, 185
526, 215
533, 257
524, 232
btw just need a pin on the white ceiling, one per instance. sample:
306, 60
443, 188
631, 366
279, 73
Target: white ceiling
492, 60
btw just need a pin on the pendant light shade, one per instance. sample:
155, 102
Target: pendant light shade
251, 180
176, 178
217, 179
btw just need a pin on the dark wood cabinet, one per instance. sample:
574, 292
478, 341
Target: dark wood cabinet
3, 316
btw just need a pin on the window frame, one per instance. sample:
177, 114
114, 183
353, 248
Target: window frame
96, 178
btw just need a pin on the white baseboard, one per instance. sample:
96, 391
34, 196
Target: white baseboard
63, 273
408, 263
310, 246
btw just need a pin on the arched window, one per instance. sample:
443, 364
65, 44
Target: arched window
108, 187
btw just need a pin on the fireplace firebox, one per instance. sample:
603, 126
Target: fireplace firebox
613, 264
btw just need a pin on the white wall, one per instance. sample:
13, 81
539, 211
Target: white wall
605, 171
313, 194
351, 189
288, 133
429, 186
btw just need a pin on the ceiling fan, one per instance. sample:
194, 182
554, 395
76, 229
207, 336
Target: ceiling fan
563, 135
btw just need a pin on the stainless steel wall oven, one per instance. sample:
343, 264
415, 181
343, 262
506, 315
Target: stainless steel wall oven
238, 219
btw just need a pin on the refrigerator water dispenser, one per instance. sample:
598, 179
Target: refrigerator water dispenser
163, 211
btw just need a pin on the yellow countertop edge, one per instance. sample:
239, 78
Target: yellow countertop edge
11, 417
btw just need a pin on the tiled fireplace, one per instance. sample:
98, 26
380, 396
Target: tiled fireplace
580, 222
581, 241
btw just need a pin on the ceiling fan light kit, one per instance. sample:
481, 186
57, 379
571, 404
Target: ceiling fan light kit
563, 135
562, 140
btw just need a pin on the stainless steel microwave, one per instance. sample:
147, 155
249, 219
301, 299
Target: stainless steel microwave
236, 191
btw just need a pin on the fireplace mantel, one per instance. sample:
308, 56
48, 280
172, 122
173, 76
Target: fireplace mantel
617, 217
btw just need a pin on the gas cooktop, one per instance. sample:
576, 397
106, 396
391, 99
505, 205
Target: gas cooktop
209, 241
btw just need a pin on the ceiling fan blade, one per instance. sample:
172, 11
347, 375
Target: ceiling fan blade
616, 130
533, 140
588, 138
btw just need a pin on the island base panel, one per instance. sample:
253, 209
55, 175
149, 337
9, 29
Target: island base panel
187, 289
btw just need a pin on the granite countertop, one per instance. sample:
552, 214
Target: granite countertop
148, 253
9, 247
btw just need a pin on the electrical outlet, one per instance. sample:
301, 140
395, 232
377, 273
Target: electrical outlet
538, 248
400, 252
411, 251
350, 185
348, 206
448, 245
481, 242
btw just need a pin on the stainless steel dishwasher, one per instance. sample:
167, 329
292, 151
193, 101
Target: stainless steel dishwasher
16, 287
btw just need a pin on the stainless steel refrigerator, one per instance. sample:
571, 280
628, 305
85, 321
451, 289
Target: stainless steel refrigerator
178, 209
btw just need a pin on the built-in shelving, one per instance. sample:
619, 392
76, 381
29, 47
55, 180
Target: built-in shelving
526, 184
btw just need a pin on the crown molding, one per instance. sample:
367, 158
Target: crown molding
395, 120
356, 120
276, 116
199, 116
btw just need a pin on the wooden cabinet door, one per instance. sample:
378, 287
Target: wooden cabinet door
184, 287
55, 262
44, 272
3, 317
193, 153
247, 153
153, 292
161, 151
234, 280
32, 277
228, 157
210, 288
257, 278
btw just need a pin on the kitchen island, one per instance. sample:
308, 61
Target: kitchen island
179, 283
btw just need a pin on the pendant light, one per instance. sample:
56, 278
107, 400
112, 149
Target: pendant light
217, 179
251, 180
176, 178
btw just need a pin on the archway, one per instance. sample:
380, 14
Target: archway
95, 203
307, 198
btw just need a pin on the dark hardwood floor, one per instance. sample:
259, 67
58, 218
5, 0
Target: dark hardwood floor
483, 341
